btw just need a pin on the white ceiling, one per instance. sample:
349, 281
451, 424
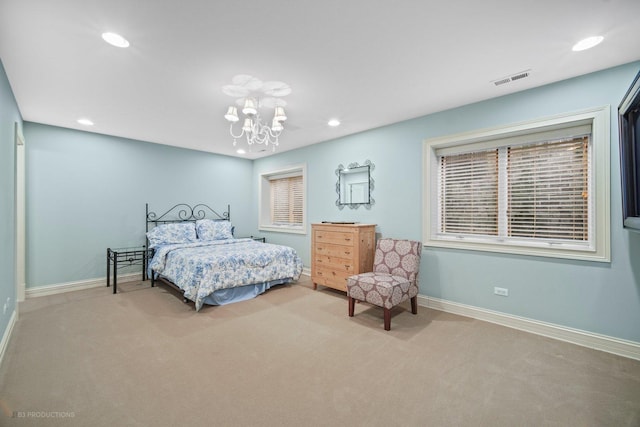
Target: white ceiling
367, 62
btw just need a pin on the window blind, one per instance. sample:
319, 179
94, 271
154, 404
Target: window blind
548, 190
286, 200
537, 190
469, 193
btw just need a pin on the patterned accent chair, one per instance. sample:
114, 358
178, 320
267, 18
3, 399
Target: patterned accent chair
394, 278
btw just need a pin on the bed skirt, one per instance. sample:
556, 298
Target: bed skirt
241, 293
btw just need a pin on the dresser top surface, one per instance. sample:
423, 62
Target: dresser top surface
330, 224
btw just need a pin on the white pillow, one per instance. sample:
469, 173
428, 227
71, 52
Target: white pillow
208, 229
178, 232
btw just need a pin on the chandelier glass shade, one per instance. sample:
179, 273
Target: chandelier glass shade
254, 130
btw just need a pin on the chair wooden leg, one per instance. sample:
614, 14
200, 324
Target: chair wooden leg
352, 303
414, 305
387, 319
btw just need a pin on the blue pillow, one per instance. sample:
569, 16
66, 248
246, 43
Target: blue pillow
208, 229
165, 234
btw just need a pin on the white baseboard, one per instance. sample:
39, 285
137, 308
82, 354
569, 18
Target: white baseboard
630, 349
60, 288
7, 334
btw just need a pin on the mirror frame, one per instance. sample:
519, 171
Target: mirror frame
339, 170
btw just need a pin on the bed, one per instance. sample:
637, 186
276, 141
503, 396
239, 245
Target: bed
196, 253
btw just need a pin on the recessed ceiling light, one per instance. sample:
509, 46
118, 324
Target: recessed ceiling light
240, 151
85, 122
334, 122
115, 39
587, 43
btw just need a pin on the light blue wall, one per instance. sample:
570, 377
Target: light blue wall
599, 297
87, 192
9, 115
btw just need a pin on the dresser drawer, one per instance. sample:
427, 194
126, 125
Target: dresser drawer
335, 263
334, 237
332, 278
332, 250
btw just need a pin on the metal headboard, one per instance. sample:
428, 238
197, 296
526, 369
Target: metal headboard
183, 212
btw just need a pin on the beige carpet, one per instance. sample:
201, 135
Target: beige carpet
292, 357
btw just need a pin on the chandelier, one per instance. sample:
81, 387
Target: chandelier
253, 95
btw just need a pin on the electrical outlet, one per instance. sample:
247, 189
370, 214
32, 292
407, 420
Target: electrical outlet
501, 291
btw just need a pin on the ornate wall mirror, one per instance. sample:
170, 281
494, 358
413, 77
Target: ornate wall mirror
355, 185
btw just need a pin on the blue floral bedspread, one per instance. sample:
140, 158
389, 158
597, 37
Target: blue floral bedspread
200, 268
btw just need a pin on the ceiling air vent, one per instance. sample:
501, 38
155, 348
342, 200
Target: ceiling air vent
518, 76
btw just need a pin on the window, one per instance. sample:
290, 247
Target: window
282, 200
537, 188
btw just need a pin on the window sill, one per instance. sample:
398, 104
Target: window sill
283, 229
581, 254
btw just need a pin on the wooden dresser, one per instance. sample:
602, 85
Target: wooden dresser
339, 251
